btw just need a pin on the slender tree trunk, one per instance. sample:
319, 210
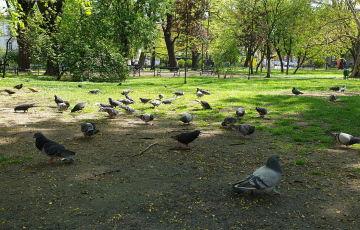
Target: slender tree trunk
5, 57
356, 70
268, 58
169, 41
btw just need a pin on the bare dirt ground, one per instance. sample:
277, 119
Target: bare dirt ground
114, 184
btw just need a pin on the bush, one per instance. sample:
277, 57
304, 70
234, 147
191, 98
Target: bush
181, 63
318, 62
188, 63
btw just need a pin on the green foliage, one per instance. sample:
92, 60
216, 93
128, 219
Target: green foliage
316, 172
181, 63
188, 63
300, 162
319, 62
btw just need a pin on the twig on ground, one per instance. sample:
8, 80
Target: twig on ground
147, 148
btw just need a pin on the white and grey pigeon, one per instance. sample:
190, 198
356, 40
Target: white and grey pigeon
89, 129
344, 138
296, 92
204, 104
244, 129
62, 106
199, 94
342, 89
203, 91
128, 109
262, 111
168, 101
125, 92
333, 97
144, 100
155, 103
126, 101
145, 117
94, 91
110, 111
129, 98
104, 105
264, 178
51, 148
187, 118
240, 112
161, 96
113, 102
178, 93
229, 121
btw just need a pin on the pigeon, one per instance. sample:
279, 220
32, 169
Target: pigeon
95, 91
187, 118
199, 94
155, 103
244, 129
24, 107
145, 117
262, 111
110, 111
51, 148
186, 138
169, 101
79, 106
204, 104
178, 93
165, 86
89, 129
144, 100
9, 91
128, 109
104, 105
161, 96
333, 97
27, 80
342, 89
335, 88
229, 121
203, 91
126, 101
119, 84
129, 98
18, 87
240, 112
264, 178
80, 86
33, 90
58, 100
62, 106
113, 102
344, 138
125, 92
296, 92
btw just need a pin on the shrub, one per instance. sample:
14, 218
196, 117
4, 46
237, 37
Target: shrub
319, 62
188, 63
181, 63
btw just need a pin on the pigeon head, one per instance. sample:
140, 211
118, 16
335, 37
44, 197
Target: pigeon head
273, 162
37, 135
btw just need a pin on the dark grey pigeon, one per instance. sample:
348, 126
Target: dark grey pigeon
344, 138
80, 86
262, 111
145, 117
168, 101
104, 105
24, 107
155, 103
128, 109
110, 111
178, 93
342, 89
9, 91
187, 118
119, 84
88, 129
79, 106
113, 102
244, 129
51, 148
264, 178
58, 100
204, 104
125, 92
335, 88
186, 138
94, 91
333, 97
129, 98
18, 87
229, 121
126, 101
240, 112
144, 100
296, 92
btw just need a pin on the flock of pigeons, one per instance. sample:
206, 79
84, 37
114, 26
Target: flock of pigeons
265, 178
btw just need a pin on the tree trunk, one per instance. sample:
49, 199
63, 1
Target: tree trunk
268, 58
280, 59
356, 71
169, 41
142, 59
5, 57
195, 59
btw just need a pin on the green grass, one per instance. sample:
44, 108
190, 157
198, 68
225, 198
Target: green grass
286, 112
316, 172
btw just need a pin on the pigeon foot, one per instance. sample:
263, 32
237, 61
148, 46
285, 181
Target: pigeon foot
50, 161
280, 194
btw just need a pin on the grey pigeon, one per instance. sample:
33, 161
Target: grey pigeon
24, 107
335, 88
80, 86
344, 138
229, 121
126, 101
110, 111
240, 112
204, 104
333, 97
129, 98
88, 129
18, 87
203, 91
161, 96
113, 102
165, 86
51, 148
199, 94
104, 105
342, 89
58, 100
178, 93
125, 92
9, 91
95, 91
155, 103
168, 101
62, 106
244, 129
145, 117
79, 106
144, 100
119, 84
128, 109
296, 92
264, 178
187, 118
186, 138
262, 111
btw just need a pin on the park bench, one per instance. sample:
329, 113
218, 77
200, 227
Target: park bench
134, 69
208, 70
176, 70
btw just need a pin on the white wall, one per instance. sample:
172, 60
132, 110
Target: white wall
4, 37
